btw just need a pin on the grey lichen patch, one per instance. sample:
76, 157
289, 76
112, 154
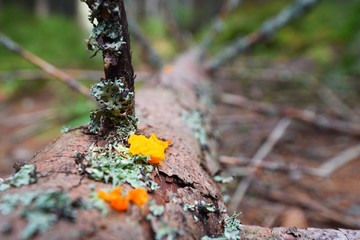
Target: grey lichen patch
154, 210
232, 228
117, 108
105, 26
114, 164
25, 176
41, 210
166, 232
221, 179
196, 122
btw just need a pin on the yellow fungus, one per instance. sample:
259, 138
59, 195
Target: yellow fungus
152, 147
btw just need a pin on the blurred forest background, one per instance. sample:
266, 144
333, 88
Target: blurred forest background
312, 64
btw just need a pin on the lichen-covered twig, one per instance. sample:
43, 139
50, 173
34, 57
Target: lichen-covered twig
257, 159
47, 67
306, 116
218, 23
115, 93
331, 165
154, 59
268, 28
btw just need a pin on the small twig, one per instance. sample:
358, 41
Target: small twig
80, 74
217, 27
306, 116
182, 39
307, 203
154, 59
268, 28
27, 118
47, 67
257, 159
331, 165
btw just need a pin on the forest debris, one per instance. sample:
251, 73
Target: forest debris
258, 158
294, 217
268, 29
25, 176
307, 203
331, 165
47, 67
307, 116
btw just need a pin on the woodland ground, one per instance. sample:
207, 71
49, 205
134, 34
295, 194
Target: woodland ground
32, 112
27, 125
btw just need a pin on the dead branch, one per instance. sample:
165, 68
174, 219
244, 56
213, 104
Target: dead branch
306, 116
218, 25
257, 159
293, 233
47, 67
331, 165
268, 29
307, 203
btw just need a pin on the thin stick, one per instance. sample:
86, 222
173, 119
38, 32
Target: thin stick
307, 203
154, 59
257, 159
330, 166
47, 67
306, 116
268, 28
217, 27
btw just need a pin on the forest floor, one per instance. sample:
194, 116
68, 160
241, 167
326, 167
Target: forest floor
281, 191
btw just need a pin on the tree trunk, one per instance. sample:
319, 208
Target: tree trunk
42, 8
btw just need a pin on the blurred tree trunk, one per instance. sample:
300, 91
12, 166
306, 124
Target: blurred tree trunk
42, 8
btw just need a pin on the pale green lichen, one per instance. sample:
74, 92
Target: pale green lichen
200, 206
110, 27
25, 176
222, 179
41, 210
232, 229
154, 210
166, 232
117, 107
196, 121
114, 164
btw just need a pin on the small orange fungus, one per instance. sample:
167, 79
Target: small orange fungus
152, 147
120, 202
138, 196
115, 198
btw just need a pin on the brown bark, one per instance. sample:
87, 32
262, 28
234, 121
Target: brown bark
181, 177
259, 233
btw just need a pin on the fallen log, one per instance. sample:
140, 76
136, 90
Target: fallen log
58, 198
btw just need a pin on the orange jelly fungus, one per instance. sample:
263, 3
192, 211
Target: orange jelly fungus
152, 147
120, 202
138, 196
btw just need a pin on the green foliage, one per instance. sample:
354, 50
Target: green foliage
25, 176
56, 39
40, 210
